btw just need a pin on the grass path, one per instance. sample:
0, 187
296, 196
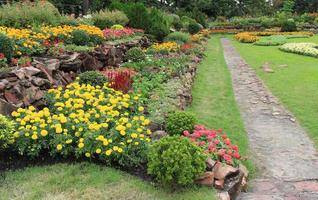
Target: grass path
294, 85
213, 99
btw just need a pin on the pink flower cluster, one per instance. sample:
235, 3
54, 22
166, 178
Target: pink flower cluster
216, 143
117, 34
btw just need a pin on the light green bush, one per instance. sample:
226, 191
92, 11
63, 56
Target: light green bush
106, 19
24, 14
179, 37
6, 132
175, 161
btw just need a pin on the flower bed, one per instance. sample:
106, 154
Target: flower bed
308, 49
215, 143
83, 120
113, 33
30, 42
251, 37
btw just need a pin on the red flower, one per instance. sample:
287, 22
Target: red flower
235, 147
221, 152
224, 136
227, 157
216, 141
236, 155
2, 56
186, 133
227, 141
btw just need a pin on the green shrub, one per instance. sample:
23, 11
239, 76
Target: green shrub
80, 37
175, 161
194, 28
6, 46
159, 25
177, 122
289, 26
179, 37
137, 14
24, 14
135, 54
106, 19
6, 132
92, 78
185, 20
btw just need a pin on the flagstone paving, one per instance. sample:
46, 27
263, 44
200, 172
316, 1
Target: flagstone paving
286, 157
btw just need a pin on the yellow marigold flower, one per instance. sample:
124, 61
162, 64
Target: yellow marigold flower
87, 155
69, 141
58, 130
122, 132
141, 109
34, 137
120, 150
105, 142
136, 143
80, 145
98, 151
77, 134
129, 141
44, 133
108, 152
59, 147
81, 139
128, 125
115, 148
27, 134
16, 134
134, 135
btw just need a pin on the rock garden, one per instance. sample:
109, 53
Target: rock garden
138, 100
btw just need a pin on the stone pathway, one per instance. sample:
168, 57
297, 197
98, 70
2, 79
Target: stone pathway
285, 155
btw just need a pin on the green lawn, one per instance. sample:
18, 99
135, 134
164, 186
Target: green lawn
86, 181
296, 85
213, 99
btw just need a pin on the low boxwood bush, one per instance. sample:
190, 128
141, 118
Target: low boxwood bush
85, 121
177, 122
92, 78
178, 37
80, 37
273, 40
6, 46
106, 19
175, 161
135, 54
6, 132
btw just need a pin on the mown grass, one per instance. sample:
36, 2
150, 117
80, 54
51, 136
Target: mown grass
213, 99
87, 181
295, 85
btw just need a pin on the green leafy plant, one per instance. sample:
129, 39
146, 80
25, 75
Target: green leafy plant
76, 48
175, 161
135, 54
92, 78
106, 18
6, 132
177, 122
80, 37
6, 46
179, 37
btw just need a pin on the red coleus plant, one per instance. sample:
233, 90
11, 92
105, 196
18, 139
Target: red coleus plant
215, 143
186, 46
116, 34
120, 79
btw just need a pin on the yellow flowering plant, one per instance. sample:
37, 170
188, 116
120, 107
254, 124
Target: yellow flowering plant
33, 41
164, 47
83, 120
